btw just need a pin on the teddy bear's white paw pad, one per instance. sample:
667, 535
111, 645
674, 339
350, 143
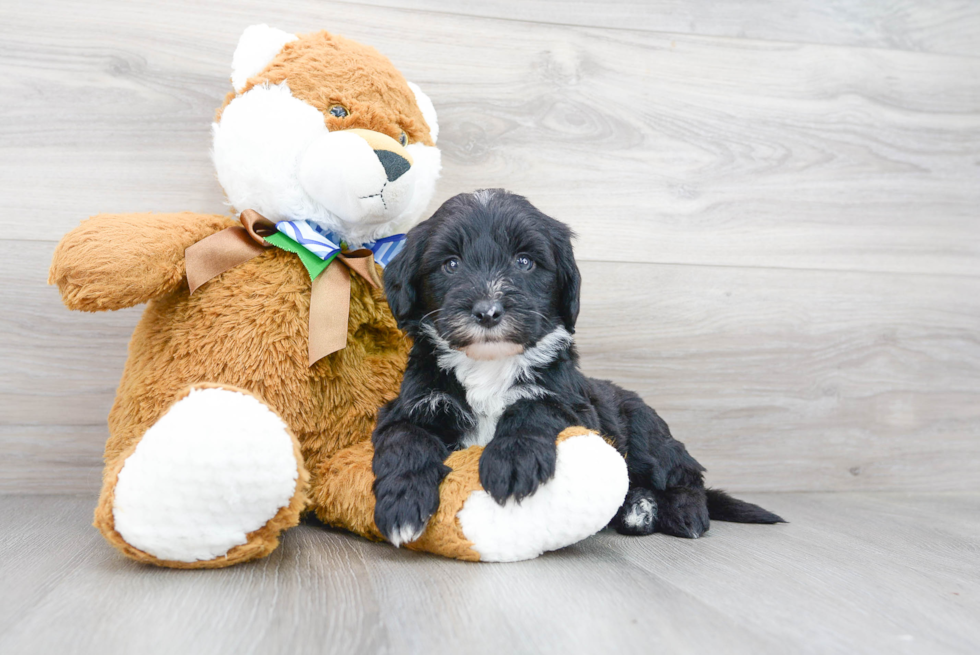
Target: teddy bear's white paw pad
588, 489
217, 466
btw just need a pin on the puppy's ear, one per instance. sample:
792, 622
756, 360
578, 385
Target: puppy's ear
403, 279
569, 279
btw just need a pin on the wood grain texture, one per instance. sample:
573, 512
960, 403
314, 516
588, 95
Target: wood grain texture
59, 367
855, 573
779, 239
775, 379
940, 26
807, 380
656, 147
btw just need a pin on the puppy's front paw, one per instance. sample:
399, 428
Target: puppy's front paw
404, 504
514, 467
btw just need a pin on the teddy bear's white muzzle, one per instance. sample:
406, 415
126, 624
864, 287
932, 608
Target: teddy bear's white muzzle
357, 183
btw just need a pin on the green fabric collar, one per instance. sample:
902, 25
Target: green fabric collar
314, 265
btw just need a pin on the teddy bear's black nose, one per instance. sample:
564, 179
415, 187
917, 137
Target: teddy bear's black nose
395, 165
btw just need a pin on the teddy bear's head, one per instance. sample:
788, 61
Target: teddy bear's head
324, 129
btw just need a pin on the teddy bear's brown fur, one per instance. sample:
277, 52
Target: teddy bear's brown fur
211, 337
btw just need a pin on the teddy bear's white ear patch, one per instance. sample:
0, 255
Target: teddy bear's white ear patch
258, 45
428, 110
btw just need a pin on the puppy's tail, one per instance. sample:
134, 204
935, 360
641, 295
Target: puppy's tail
722, 507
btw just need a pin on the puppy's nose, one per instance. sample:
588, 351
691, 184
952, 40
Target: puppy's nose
488, 313
395, 165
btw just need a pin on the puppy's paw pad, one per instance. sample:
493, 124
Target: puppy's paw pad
216, 467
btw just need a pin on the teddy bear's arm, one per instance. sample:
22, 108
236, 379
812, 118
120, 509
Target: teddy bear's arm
112, 261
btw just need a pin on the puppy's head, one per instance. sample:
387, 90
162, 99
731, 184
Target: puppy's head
488, 274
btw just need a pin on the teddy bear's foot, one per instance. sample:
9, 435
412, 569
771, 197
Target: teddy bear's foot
587, 490
212, 483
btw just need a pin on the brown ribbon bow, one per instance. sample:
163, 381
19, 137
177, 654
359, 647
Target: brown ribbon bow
329, 298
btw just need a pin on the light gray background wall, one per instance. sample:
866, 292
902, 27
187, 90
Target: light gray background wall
778, 205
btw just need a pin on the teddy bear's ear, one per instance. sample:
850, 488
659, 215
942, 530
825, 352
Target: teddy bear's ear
258, 45
428, 110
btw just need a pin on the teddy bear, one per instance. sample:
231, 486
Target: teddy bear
267, 346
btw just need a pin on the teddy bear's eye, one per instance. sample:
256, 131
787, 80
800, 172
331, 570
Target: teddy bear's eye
339, 111
403, 139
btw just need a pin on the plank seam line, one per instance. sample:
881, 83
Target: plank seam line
808, 269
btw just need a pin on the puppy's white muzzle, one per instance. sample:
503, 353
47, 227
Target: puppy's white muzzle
363, 177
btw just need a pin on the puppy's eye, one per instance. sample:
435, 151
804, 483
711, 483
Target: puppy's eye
451, 265
339, 111
403, 139
524, 262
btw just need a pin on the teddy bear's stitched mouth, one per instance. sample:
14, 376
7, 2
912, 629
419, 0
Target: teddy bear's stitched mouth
379, 194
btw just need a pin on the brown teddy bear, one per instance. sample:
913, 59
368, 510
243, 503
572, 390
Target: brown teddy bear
267, 347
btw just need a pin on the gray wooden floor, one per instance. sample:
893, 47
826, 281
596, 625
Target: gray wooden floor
851, 573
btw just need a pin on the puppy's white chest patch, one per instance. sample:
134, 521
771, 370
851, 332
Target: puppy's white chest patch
493, 385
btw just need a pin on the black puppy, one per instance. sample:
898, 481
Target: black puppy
489, 290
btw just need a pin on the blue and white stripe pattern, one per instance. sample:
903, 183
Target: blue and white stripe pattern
326, 244
386, 248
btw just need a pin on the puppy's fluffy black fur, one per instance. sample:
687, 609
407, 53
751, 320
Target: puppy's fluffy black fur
489, 275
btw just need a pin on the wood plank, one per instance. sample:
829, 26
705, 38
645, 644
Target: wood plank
365, 598
877, 574
941, 26
51, 459
59, 367
783, 380
309, 590
43, 540
564, 602
656, 147
857, 573
775, 379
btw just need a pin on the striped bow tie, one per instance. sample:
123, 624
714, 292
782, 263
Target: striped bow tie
327, 245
